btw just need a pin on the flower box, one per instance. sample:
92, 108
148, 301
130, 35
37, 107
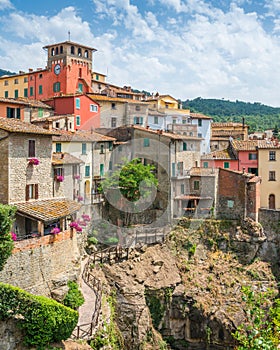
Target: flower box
59, 178
77, 177
34, 161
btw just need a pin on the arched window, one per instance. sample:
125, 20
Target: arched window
79, 51
72, 50
271, 201
52, 52
86, 53
61, 49
87, 189
56, 50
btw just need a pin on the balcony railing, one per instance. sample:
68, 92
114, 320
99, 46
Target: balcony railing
181, 174
97, 198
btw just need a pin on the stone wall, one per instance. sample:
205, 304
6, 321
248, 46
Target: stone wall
41, 265
4, 171
21, 173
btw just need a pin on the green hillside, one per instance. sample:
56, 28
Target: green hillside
5, 72
259, 117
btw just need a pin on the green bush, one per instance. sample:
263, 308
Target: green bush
74, 298
7, 213
42, 320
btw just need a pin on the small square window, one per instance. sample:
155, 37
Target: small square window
146, 142
196, 185
226, 165
230, 204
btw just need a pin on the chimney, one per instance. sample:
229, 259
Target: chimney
30, 70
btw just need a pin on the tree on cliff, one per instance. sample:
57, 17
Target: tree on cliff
131, 187
7, 213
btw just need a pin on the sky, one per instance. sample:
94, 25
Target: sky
185, 48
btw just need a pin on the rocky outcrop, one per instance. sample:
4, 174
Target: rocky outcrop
189, 289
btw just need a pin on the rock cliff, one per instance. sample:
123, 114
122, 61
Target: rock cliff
189, 288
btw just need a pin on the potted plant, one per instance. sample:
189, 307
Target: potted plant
34, 161
59, 178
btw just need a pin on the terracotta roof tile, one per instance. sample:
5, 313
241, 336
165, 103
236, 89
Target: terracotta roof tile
199, 116
97, 97
25, 102
48, 209
82, 135
169, 135
221, 154
268, 144
60, 158
249, 145
18, 126
196, 171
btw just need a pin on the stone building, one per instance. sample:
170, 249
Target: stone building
119, 111
238, 195
27, 180
94, 151
269, 170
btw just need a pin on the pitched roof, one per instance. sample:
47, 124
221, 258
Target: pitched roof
98, 97
196, 171
249, 145
82, 136
52, 118
268, 144
62, 158
199, 116
230, 124
18, 126
169, 135
48, 209
220, 154
25, 101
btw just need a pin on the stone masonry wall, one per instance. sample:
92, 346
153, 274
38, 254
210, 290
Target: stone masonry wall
4, 170
40, 265
21, 173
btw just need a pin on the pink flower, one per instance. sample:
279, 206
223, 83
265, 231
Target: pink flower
55, 230
80, 198
59, 178
77, 177
76, 226
14, 236
86, 217
34, 161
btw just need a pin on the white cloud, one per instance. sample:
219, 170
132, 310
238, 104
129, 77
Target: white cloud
195, 50
5, 4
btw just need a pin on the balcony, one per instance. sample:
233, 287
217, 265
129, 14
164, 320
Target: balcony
180, 174
97, 198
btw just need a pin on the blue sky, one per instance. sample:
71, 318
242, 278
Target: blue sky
185, 48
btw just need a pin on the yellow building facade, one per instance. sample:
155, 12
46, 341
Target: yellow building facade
269, 171
14, 86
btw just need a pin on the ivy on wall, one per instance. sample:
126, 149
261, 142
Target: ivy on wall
7, 213
42, 320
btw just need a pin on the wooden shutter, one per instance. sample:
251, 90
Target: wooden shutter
36, 191
27, 193
31, 148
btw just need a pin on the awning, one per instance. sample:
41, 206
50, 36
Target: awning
48, 209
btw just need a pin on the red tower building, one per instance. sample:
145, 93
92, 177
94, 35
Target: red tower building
68, 71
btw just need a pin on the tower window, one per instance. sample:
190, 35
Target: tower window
79, 52
61, 49
56, 50
72, 50
86, 53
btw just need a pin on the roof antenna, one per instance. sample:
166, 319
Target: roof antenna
69, 35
